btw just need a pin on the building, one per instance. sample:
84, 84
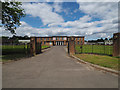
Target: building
108, 42
24, 41
59, 40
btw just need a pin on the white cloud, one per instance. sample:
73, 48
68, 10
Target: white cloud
82, 27
57, 6
85, 29
44, 11
4, 32
76, 23
104, 10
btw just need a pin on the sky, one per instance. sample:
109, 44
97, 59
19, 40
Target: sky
90, 19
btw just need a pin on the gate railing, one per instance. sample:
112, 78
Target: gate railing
94, 49
15, 49
38, 48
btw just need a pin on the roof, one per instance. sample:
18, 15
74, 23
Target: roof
24, 41
58, 36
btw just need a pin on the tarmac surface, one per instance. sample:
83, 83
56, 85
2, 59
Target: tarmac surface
54, 69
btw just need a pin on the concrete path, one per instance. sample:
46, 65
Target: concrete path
54, 69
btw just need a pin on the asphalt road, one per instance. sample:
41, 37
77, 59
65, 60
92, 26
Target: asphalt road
54, 69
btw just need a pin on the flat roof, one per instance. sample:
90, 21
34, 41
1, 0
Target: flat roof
57, 36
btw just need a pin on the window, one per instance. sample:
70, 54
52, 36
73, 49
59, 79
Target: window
44, 38
41, 42
78, 42
68, 39
78, 38
59, 38
62, 38
47, 38
44, 42
41, 38
51, 38
56, 38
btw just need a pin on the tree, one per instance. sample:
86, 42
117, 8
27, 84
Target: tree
11, 15
100, 40
111, 38
106, 38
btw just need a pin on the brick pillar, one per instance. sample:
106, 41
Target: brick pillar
39, 40
116, 44
64, 42
33, 46
71, 46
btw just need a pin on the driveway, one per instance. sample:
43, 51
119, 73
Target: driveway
54, 69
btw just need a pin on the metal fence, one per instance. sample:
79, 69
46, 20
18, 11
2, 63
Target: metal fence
15, 49
38, 48
94, 49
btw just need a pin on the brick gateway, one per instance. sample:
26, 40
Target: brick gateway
37, 42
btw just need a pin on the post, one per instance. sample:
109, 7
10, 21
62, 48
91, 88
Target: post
27, 48
33, 46
68, 47
40, 47
71, 46
116, 44
92, 48
104, 49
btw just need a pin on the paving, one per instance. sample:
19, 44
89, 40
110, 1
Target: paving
54, 69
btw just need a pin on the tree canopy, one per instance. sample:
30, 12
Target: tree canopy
11, 15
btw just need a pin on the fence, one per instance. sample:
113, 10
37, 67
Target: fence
38, 48
94, 49
15, 49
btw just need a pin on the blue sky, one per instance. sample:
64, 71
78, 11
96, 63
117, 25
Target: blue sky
92, 20
68, 15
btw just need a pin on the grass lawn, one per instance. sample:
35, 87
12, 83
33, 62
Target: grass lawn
102, 60
10, 52
14, 49
45, 46
97, 49
12, 57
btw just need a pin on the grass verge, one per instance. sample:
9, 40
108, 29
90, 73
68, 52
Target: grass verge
102, 60
45, 46
12, 54
13, 57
